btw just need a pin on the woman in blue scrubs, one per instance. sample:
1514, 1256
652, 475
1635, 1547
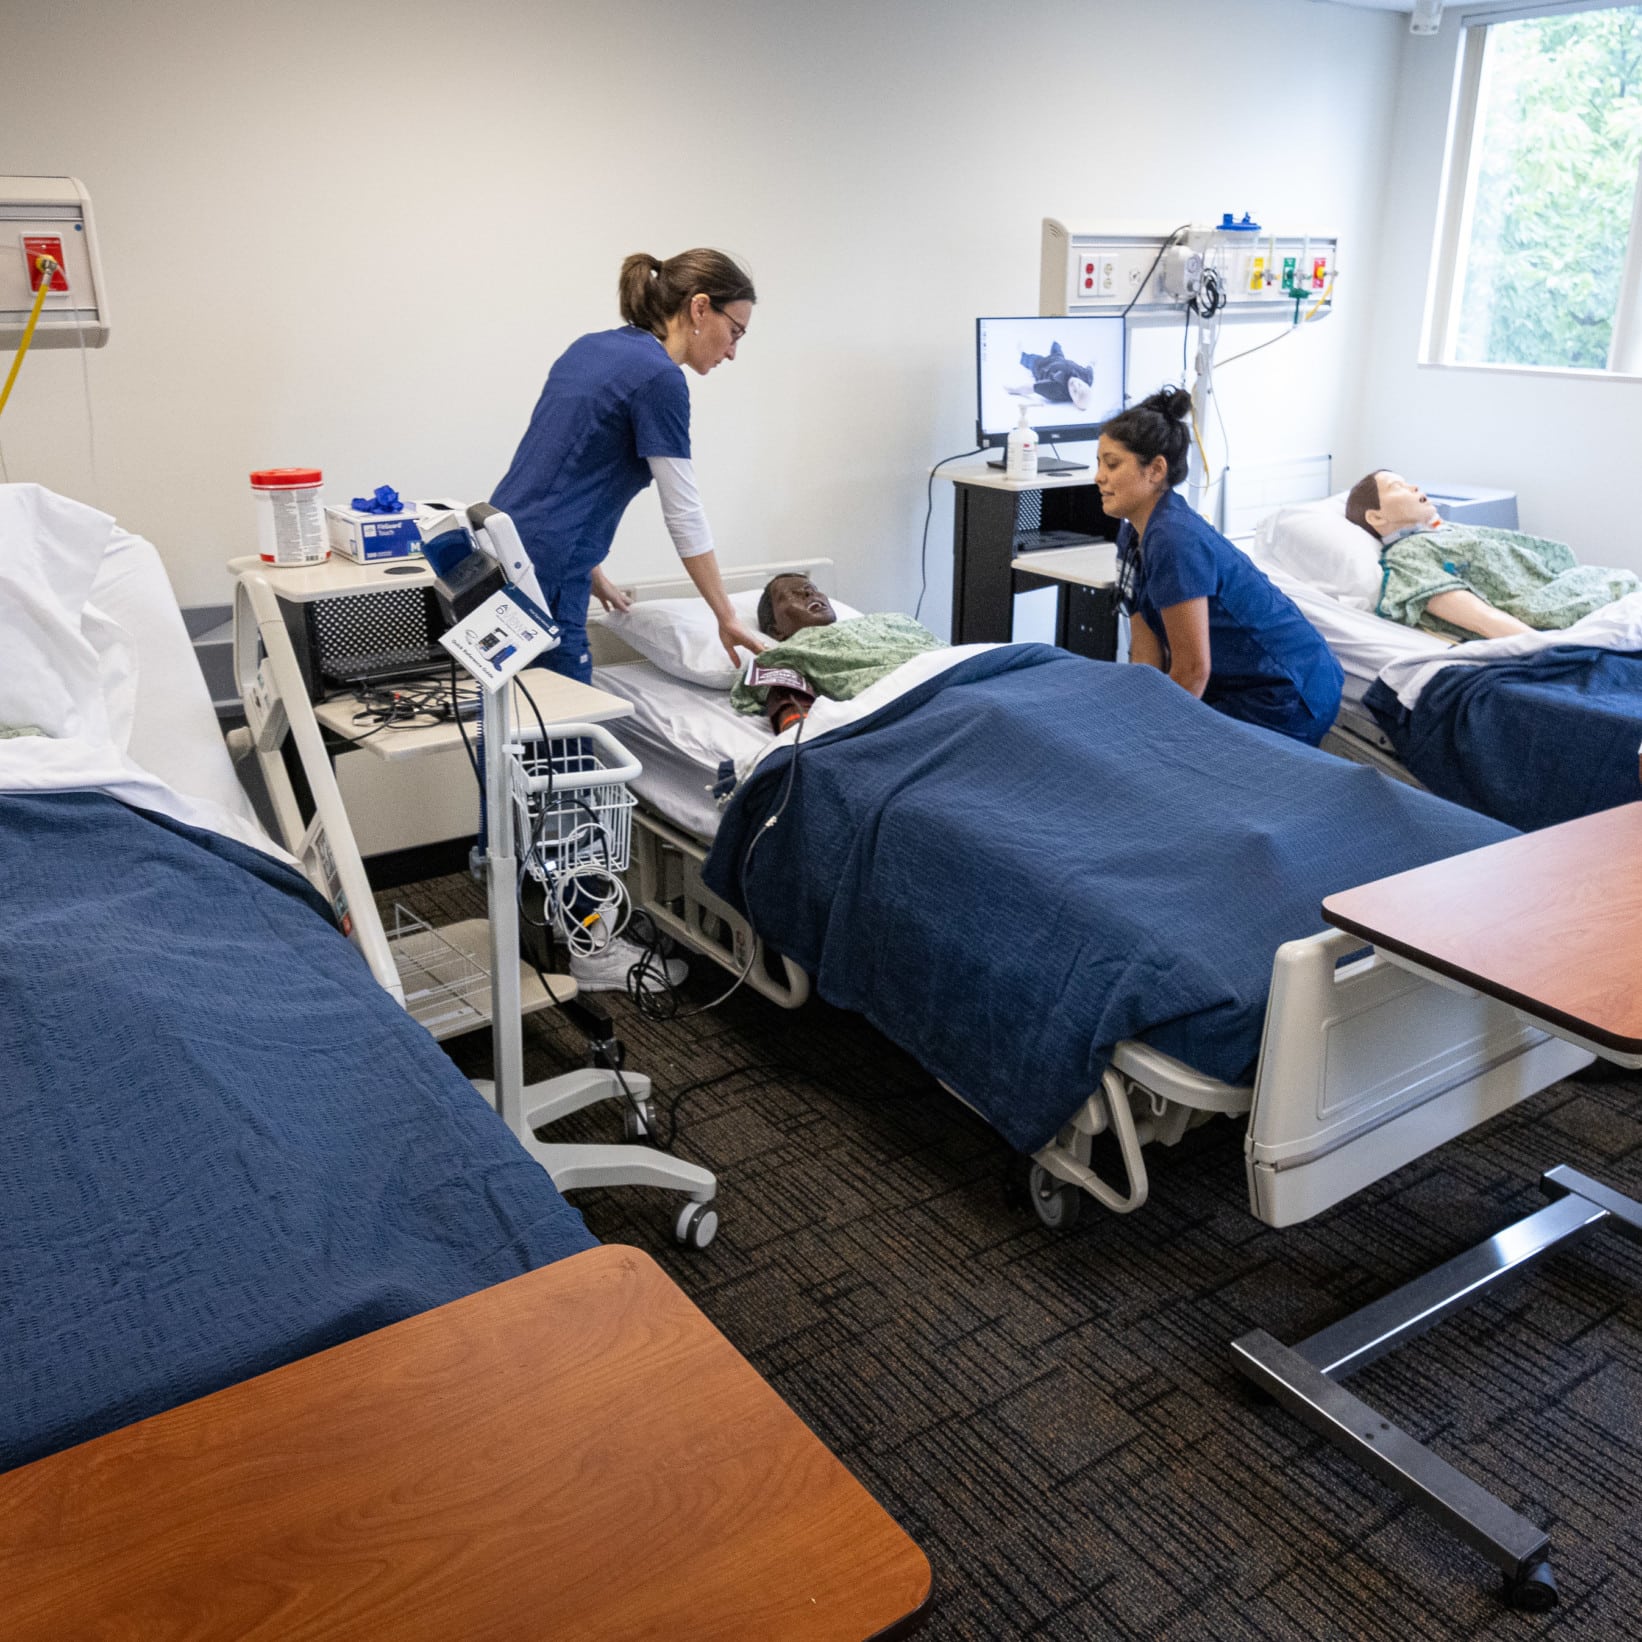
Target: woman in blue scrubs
1198, 608
614, 415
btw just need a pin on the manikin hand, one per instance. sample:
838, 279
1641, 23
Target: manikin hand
608, 594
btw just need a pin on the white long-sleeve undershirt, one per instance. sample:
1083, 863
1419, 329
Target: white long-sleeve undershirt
681, 505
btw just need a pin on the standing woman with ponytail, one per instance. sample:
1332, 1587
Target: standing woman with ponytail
614, 415
1198, 608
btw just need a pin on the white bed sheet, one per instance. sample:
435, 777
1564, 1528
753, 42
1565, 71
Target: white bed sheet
1362, 642
689, 731
681, 733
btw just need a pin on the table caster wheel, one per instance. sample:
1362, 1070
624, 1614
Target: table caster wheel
1533, 1589
639, 1122
697, 1225
1055, 1203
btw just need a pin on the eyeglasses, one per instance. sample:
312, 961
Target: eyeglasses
736, 331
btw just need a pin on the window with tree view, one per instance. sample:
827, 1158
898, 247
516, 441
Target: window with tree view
1541, 269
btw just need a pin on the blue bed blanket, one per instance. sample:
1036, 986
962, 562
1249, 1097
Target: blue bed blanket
1532, 741
1031, 857
224, 1146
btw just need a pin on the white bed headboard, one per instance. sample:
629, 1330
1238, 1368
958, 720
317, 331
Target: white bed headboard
1253, 492
606, 649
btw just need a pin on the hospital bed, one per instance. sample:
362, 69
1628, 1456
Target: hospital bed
1357, 1068
226, 1148
1532, 739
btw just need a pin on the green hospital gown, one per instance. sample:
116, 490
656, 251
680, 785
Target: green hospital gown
841, 659
1538, 582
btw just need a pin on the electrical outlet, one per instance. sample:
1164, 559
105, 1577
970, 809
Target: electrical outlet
36, 246
1106, 284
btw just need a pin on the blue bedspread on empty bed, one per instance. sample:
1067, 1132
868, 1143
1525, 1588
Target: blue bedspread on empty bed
1026, 860
224, 1146
1533, 741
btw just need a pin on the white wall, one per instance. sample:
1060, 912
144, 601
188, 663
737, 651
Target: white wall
1567, 444
357, 235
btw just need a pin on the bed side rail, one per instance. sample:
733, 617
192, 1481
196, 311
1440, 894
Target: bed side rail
665, 882
1365, 1067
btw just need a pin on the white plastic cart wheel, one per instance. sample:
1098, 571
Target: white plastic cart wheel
1056, 1203
697, 1225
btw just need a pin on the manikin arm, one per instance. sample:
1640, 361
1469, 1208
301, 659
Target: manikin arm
1463, 609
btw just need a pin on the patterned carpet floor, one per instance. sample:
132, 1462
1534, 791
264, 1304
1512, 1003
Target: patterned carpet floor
1054, 1417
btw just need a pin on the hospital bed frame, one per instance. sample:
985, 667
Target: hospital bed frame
1355, 737
1363, 1066
665, 878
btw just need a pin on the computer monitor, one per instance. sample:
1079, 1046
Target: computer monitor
1067, 371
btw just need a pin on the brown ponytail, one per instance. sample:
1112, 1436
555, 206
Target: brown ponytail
651, 292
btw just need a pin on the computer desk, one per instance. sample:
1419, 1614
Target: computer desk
1550, 923
575, 1453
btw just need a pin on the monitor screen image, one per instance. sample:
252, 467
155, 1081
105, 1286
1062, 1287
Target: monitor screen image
1067, 371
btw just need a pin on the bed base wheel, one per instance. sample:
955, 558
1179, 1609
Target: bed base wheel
1055, 1203
697, 1225
638, 1120
1532, 1589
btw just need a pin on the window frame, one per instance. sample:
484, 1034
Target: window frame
1456, 199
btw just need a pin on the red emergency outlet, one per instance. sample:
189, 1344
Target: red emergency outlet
36, 246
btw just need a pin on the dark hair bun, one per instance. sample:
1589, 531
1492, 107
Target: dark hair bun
1170, 402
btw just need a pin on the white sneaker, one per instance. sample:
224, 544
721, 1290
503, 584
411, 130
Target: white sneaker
607, 971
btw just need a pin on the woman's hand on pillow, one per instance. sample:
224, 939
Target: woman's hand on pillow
734, 635
607, 593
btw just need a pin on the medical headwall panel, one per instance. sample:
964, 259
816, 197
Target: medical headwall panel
51, 217
1149, 269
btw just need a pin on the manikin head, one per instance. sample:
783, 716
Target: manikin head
792, 601
1383, 503
1080, 391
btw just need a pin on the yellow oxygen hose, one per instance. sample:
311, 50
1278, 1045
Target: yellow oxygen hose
47, 267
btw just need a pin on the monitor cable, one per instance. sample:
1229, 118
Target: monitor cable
929, 509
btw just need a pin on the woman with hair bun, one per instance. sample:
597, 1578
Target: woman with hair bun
614, 415
1198, 608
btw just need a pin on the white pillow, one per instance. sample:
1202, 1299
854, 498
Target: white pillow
680, 636
50, 664
1320, 546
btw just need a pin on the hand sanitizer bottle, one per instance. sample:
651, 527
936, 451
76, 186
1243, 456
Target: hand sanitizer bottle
1021, 453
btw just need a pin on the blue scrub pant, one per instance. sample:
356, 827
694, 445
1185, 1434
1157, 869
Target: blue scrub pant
568, 602
1276, 707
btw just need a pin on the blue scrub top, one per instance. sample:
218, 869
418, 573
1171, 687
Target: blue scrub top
612, 400
1268, 664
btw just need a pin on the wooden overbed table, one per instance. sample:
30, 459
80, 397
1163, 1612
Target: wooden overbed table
1550, 923
576, 1453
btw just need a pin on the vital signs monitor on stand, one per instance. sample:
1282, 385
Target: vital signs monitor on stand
1068, 372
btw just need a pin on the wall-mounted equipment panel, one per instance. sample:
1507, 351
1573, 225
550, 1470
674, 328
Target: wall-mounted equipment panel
1118, 267
50, 217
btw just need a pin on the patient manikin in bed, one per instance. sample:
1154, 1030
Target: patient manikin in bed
815, 654
1472, 581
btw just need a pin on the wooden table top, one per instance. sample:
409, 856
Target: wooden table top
577, 1453
1549, 922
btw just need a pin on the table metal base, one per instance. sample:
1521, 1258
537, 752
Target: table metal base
1304, 1377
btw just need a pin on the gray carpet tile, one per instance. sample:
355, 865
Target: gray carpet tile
1054, 1416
